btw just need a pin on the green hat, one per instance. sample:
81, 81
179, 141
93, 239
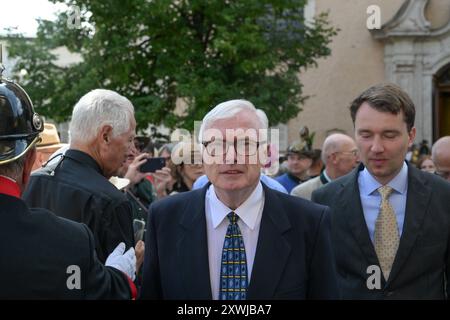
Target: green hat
303, 146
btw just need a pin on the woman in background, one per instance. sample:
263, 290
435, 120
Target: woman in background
187, 158
426, 164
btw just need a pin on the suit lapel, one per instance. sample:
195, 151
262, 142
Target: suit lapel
350, 207
272, 249
192, 248
419, 193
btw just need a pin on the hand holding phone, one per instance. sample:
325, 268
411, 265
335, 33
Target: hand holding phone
153, 164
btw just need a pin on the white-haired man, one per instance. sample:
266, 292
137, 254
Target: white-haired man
44, 256
441, 157
101, 131
340, 156
235, 238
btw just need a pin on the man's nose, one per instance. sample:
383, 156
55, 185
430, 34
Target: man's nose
132, 147
377, 145
231, 154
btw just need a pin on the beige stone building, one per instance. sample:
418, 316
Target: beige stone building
411, 48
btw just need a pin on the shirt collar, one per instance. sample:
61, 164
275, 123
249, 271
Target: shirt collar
326, 175
9, 187
399, 183
84, 158
295, 178
248, 211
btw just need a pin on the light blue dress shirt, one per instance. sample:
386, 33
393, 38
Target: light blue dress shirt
371, 198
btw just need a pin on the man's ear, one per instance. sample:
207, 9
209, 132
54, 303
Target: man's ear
333, 158
30, 157
105, 134
411, 136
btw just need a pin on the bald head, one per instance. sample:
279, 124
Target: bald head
338, 155
334, 143
440, 154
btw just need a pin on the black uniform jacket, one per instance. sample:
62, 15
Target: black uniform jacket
47, 257
76, 189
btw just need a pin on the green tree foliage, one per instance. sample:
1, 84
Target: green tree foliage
160, 53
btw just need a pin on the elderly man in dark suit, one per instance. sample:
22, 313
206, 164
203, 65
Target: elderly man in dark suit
390, 221
235, 238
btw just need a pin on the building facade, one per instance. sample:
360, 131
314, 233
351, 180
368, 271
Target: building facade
411, 48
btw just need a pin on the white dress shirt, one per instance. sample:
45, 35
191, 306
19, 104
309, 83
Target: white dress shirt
250, 213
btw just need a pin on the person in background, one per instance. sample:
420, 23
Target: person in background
441, 157
424, 149
47, 146
141, 142
425, 163
299, 160
166, 152
140, 191
187, 157
340, 155
150, 148
317, 164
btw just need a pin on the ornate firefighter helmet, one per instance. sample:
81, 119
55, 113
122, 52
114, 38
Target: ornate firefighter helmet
19, 124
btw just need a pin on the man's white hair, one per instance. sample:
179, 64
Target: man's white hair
228, 109
96, 109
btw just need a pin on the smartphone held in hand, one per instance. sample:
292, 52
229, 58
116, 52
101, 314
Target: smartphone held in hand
153, 164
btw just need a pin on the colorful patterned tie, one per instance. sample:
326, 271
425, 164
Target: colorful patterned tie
387, 236
233, 270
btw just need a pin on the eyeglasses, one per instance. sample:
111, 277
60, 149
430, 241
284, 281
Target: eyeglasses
243, 147
352, 152
443, 174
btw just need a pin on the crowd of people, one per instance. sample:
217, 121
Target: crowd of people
209, 223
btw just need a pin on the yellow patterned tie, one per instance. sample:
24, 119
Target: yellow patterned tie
386, 233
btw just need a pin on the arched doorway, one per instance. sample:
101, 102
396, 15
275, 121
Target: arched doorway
441, 103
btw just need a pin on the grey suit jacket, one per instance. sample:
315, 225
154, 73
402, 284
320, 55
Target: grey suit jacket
306, 189
423, 258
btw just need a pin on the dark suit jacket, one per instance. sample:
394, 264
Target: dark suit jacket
423, 256
293, 258
37, 248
